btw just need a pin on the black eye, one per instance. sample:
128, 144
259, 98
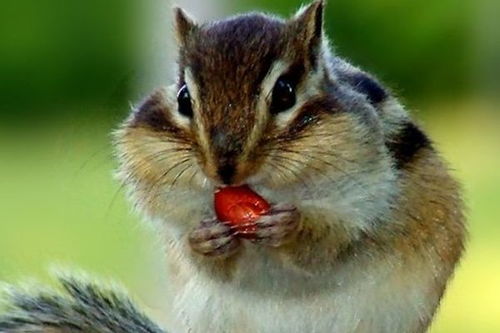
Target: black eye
283, 96
184, 101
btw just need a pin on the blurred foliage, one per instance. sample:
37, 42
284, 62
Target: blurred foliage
55, 54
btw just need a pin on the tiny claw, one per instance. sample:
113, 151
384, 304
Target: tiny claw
231, 226
278, 226
213, 238
247, 234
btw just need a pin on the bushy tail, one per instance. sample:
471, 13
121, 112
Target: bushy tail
82, 306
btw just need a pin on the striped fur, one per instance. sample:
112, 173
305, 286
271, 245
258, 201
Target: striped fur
382, 223
82, 306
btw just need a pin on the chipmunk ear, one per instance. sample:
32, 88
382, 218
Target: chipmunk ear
185, 26
308, 25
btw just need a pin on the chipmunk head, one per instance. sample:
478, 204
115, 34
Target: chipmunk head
257, 100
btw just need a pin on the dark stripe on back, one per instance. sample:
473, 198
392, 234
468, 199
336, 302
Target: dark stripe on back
406, 144
366, 85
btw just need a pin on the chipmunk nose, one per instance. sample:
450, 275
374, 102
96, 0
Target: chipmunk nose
226, 149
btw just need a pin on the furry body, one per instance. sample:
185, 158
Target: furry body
388, 283
379, 227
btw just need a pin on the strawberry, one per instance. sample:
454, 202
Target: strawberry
240, 207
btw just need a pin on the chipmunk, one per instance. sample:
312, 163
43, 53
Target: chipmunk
366, 223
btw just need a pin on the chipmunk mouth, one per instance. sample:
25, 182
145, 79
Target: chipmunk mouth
227, 172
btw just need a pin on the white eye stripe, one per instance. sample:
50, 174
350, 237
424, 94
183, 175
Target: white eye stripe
193, 88
264, 101
278, 68
305, 90
203, 135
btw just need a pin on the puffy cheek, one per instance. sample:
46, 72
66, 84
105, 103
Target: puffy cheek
356, 138
369, 138
145, 158
337, 147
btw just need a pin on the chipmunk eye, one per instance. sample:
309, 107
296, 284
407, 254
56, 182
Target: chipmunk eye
184, 101
283, 96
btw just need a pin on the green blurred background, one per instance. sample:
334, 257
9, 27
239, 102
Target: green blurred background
69, 71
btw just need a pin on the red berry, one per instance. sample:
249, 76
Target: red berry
239, 206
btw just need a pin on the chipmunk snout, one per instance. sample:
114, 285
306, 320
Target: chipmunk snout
226, 150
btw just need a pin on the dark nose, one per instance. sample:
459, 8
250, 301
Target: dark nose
226, 173
227, 147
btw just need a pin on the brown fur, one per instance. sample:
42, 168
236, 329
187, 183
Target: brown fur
392, 200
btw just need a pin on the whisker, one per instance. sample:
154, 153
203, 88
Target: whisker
337, 168
157, 140
322, 152
94, 155
293, 172
318, 170
153, 188
195, 172
170, 187
334, 166
179, 175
